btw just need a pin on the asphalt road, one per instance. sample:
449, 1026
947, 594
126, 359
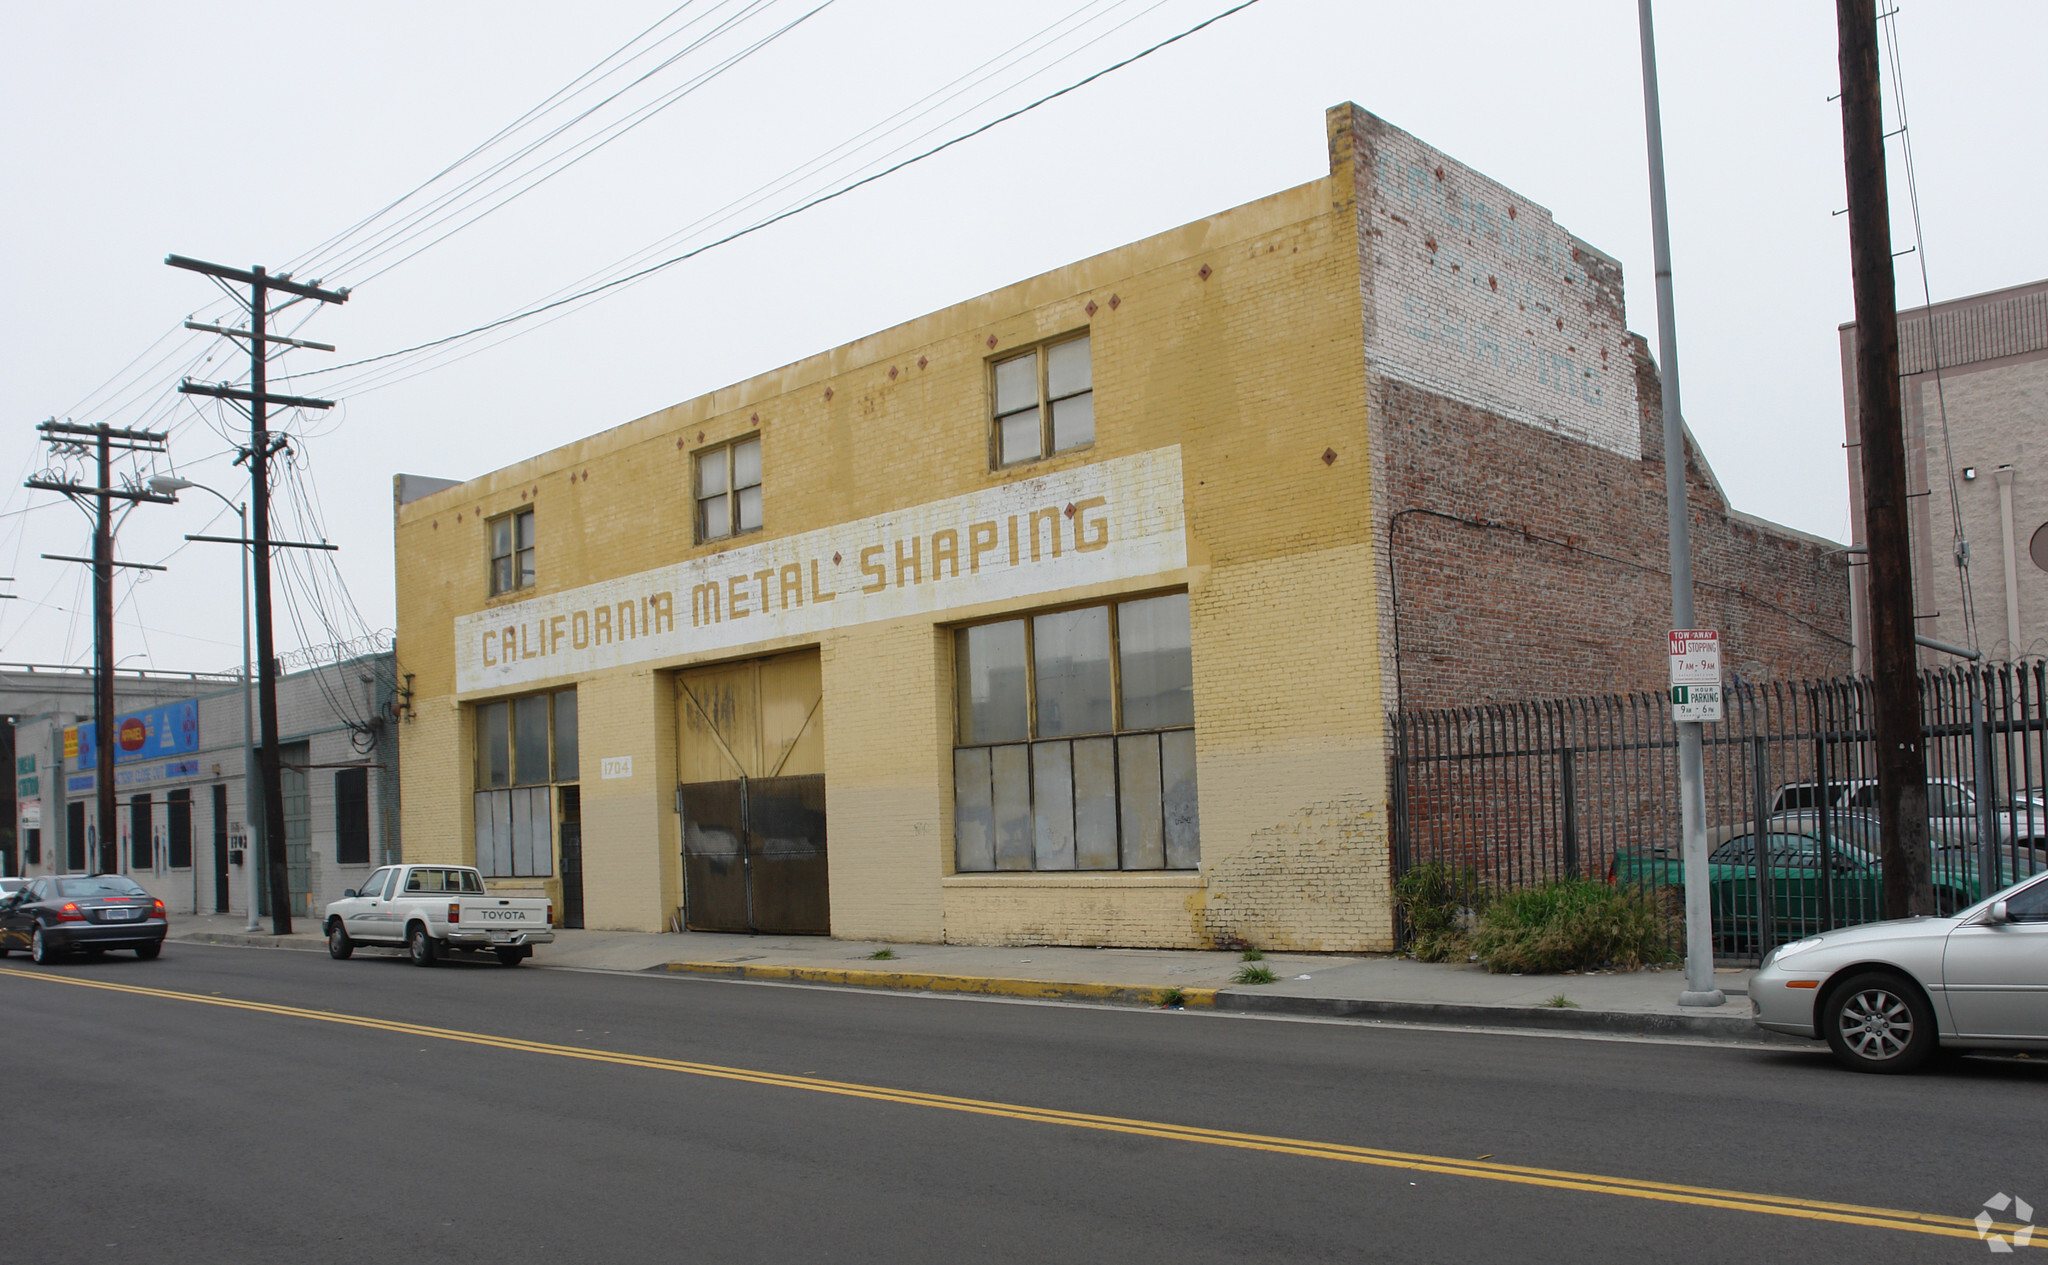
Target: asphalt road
555, 1115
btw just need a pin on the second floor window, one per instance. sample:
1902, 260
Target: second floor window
729, 489
512, 552
1044, 402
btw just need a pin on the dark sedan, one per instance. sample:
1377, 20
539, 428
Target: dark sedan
60, 915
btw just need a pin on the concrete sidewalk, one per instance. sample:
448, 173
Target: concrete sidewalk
1383, 988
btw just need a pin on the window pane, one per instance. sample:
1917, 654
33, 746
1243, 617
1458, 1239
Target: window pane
746, 464
1073, 422
501, 538
1137, 776
1156, 662
1010, 770
750, 508
1177, 790
974, 831
1072, 649
1017, 383
526, 530
1095, 803
1066, 369
1019, 438
493, 734
711, 473
565, 736
501, 575
1052, 805
993, 703
525, 568
530, 739
714, 519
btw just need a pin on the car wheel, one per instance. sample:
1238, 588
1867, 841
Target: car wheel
148, 952
1876, 1022
511, 957
5, 952
339, 946
40, 950
420, 946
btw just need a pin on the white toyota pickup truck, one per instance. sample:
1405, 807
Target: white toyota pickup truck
429, 909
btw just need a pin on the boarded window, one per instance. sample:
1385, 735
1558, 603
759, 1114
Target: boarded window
1076, 741
352, 817
515, 832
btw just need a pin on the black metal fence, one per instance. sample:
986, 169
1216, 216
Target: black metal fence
1510, 795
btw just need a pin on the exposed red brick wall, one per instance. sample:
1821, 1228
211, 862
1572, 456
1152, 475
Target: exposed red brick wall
1524, 564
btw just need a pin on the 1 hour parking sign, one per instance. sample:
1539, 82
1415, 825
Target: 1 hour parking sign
1695, 674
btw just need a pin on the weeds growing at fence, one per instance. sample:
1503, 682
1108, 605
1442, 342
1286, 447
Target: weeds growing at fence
1438, 903
1572, 925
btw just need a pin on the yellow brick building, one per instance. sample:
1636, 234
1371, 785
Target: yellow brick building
1053, 616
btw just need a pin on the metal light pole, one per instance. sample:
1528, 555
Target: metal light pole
252, 789
1699, 935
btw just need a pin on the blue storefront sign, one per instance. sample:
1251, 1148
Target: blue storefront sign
172, 729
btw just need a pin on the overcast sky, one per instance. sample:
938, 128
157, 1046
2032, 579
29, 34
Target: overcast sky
253, 133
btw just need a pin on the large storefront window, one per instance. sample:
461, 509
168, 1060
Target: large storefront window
525, 747
1076, 741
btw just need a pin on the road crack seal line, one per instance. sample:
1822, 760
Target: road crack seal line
1514, 1174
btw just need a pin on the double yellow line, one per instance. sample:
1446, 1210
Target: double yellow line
1514, 1174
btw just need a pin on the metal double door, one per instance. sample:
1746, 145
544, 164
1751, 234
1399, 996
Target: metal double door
752, 797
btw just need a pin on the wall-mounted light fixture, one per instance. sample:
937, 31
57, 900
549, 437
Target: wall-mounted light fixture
1969, 474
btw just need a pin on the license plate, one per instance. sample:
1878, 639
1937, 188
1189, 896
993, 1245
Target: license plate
501, 937
119, 915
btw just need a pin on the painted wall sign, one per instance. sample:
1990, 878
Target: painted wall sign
78, 782
172, 729
24, 764
28, 786
1114, 520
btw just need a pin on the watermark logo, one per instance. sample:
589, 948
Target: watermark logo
2022, 1212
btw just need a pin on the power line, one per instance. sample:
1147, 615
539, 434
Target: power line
796, 210
1959, 545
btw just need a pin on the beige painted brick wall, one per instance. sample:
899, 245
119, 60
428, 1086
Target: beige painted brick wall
1236, 338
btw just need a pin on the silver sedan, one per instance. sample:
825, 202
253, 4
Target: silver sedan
1887, 995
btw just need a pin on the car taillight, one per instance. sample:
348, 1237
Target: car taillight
157, 910
454, 912
70, 913
551, 913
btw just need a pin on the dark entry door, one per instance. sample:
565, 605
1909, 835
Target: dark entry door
571, 835
74, 838
753, 796
220, 849
715, 856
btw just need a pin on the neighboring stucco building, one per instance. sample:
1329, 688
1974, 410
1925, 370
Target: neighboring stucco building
181, 814
1973, 379
1069, 613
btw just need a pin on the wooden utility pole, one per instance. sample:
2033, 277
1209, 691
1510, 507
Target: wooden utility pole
262, 446
102, 494
1895, 694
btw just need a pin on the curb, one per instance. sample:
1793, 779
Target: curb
251, 940
1611, 1022
914, 981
